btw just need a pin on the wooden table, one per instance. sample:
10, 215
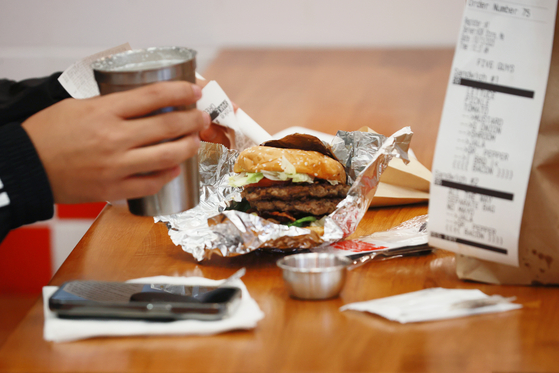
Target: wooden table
327, 91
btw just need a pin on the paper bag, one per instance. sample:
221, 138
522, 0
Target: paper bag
402, 184
539, 234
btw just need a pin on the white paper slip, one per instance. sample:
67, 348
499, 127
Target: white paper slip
489, 127
216, 103
410, 234
434, 304
78, 79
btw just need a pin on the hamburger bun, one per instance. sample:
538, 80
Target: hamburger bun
312, 163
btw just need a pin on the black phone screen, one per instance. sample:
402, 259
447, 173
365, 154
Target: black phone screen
98, 299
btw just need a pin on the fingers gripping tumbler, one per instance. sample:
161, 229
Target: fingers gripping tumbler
135, 68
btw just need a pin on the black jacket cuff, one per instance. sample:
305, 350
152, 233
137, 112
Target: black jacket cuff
20, 100
24, 180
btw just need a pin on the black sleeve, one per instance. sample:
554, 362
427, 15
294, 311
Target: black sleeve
20, 100
25, 196
25, 193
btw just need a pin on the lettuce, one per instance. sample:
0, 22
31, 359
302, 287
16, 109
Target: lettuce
287, 166
302, 221
245, 178
289, 173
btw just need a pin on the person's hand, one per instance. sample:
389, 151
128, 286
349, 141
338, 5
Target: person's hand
215, 133
102, 149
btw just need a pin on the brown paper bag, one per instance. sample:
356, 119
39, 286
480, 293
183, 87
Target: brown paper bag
539, 234
400, 183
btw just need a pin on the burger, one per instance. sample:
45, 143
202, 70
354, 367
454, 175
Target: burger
295, 180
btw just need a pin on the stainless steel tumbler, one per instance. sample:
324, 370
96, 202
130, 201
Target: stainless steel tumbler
132, 69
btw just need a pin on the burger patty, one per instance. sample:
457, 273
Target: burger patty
312, 206
296, 191
314, 199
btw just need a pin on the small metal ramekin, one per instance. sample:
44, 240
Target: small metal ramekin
314, 275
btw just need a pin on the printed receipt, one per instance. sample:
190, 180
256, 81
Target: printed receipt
489, 127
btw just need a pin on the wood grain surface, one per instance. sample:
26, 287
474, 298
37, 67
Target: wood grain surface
326, 91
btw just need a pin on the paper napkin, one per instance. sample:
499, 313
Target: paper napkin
434, 304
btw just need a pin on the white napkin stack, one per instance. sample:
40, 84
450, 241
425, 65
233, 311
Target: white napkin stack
63, 330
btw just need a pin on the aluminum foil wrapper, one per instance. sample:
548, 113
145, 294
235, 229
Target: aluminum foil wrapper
209, 228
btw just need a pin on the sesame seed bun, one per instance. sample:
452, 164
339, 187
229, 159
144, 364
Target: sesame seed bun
312, 163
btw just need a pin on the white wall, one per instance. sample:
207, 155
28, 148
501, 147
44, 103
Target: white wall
38, 37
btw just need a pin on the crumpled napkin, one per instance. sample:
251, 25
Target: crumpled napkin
434, 304
63, 330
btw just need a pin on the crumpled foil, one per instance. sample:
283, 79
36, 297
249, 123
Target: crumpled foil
209, 228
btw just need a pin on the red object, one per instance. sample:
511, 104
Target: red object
356, 246
81, 211
26, 260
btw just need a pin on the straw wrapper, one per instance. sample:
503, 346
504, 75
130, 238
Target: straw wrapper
209, 228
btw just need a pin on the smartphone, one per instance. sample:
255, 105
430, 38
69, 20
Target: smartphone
157, 302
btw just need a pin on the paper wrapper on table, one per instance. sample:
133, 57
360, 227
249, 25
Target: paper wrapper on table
209, 228
410, 237
400, 183
538, 246
434, 304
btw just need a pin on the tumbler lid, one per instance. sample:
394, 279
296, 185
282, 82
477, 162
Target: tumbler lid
142, 66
